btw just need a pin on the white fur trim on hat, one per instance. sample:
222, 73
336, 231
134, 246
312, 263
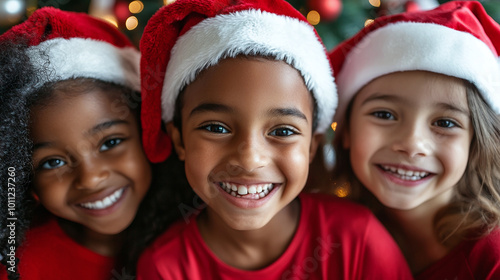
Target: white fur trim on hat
252, 32
62, 59
407, 46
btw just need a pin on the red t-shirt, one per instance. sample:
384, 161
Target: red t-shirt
335, 239
478, 259
48, 253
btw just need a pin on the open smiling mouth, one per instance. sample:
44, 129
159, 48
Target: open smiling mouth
256, 191
105, 202
403, 174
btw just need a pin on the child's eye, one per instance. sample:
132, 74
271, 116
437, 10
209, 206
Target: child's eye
283, 132
109, 144
383, 115
52, 164
215, 128
445, 123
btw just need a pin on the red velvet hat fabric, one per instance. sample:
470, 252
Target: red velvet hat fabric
69, 45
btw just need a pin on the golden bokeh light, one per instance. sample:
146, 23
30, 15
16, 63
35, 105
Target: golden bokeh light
313, 17
342, 191
334, 126
131, 23
135, 7
374, 3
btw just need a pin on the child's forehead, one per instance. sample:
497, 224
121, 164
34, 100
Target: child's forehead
236, 79
245, 61
412, 87
112, 100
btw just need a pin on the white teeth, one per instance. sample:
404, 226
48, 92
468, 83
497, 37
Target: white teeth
99, 204
105, 202
241, 190
408, 175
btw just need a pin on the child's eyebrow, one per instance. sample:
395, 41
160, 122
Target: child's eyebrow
211, 107
283, 112
443, 105
96, 129
41, 145
385, 97
105, 125
454, 108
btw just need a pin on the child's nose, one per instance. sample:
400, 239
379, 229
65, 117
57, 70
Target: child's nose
413, 140
91, 173
250, 154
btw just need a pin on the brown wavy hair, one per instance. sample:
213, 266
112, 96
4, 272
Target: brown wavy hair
475, 207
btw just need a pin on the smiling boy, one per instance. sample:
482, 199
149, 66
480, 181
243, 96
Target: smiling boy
247, 92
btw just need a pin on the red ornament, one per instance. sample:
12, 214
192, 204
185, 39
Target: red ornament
327, 9
121, 11
411, 6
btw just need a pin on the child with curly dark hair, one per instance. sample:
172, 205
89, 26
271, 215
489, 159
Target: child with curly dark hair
76, 79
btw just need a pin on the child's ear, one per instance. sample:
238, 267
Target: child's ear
175, 135
315, 141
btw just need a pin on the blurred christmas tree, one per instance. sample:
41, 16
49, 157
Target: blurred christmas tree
339, 20
335, 20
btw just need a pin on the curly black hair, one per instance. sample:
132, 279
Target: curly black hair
169, 199
15, 150
168, 195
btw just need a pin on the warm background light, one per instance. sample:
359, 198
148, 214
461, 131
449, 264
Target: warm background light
313, 17
111, 19
375, 3
131, 23
135, 7
334, 126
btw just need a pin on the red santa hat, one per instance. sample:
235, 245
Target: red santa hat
457, 39
188, 36
65, 45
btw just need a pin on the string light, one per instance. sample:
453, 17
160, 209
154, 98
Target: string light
368, 22
135, 7
168, 2
11, 12
131, 23
334, 126
343, 190
375, 3
13, 6
313, 17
